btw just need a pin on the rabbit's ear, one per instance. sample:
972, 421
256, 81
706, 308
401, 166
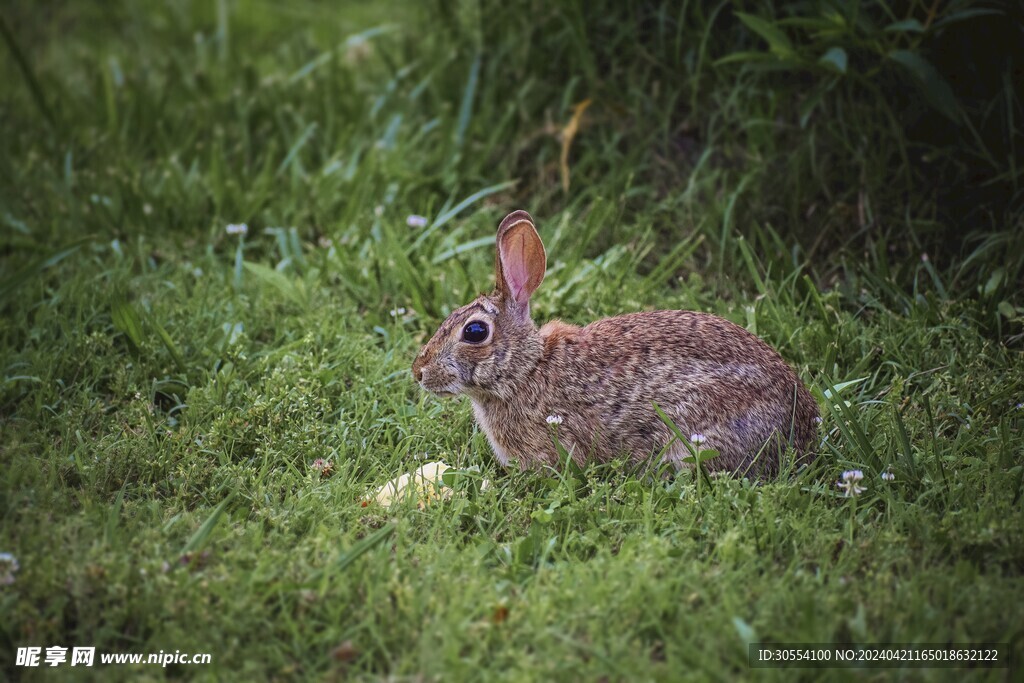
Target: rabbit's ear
520, 260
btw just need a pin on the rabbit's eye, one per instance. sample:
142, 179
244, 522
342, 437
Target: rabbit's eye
474, 332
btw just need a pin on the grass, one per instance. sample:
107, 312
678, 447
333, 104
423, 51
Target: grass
167, 386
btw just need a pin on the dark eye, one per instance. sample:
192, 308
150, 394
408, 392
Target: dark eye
474, 332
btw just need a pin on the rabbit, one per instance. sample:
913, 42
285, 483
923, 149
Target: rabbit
595, 387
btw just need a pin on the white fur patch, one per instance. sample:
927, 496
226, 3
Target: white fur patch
481, 419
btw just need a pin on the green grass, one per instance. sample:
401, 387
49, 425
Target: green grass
167, 386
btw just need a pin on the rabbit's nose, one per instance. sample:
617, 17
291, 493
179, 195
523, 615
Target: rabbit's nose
418, 374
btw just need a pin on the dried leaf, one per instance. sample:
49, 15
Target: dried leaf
345, 652
568, 133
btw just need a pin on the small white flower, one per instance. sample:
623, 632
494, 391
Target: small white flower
8, 567
415, 221
395, 312
147, 209
698, 439
554, 419
378, 211
849, 483
325, 242
237, 229
888, 476
818, 420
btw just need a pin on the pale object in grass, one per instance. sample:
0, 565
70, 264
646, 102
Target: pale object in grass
425, 484
8, 568
850, 483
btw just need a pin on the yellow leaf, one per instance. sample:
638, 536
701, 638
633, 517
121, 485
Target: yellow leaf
568, 133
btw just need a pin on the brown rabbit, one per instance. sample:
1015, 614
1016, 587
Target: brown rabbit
714, 379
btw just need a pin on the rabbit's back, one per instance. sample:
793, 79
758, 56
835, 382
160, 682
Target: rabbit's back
710, 376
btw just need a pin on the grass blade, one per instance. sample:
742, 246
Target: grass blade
206, 528
26, 72
168, 343
849, 425
22, 275
905, 449
451, 213
466, 108
126, 320
347, 557
114, 517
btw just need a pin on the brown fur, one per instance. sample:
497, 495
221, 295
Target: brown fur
709, 375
